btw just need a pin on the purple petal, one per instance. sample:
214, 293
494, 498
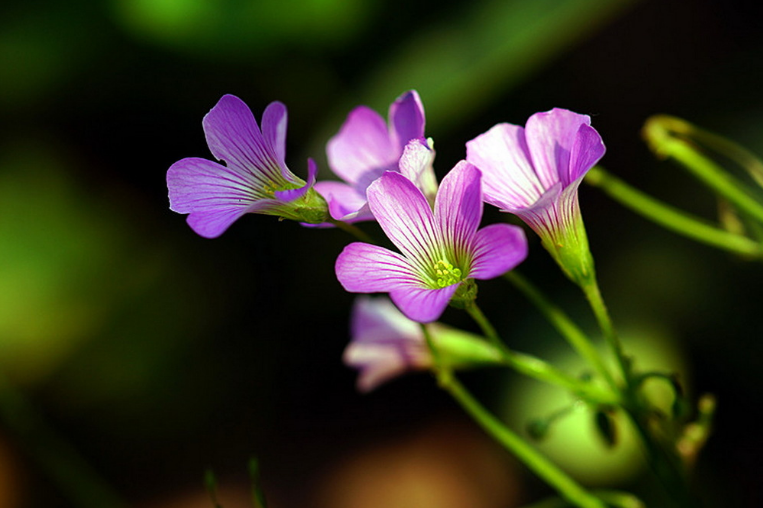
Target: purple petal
458, 208
274, 121
292, 194
416, 165
365, 268
586, 151
416, 159
378, 320
195, 184
234, 137
498, 248
377, 364
384, 343
343, 200
406, 116
403, 213
362, 151
508, 178
550, 138
213, 223
214, 195
422, 304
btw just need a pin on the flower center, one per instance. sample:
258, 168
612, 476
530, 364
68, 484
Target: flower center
446, 274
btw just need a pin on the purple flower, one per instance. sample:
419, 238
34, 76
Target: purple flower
386, 344
364, 149
441, 250
255, 178
534, 173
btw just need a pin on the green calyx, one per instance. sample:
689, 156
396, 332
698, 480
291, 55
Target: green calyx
310, 208
570, 250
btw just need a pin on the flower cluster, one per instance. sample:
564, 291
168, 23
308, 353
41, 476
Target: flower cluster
387, 172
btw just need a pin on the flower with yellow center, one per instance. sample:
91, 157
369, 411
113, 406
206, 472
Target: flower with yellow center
440, 249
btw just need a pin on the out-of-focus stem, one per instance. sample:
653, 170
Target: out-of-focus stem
671, 218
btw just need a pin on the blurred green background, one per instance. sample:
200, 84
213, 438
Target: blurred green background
152, 354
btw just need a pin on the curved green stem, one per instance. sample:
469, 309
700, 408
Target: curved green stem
671, 218
734, 151
564, 325
593, 294
661, 137
534, 460
536, 368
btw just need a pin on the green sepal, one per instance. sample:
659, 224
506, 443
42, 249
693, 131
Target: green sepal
310, 208
465, 294
569, 248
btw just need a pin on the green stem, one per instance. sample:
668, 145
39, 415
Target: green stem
671, 218
734, 151
534, 460
593, 294
663, 142
574, 335
536, 368
57, 458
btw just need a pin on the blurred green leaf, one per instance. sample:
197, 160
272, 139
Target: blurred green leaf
239, 28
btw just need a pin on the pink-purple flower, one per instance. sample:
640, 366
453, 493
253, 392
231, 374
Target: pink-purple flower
534, 172
254, 179
440, 250
364, 149
385, 344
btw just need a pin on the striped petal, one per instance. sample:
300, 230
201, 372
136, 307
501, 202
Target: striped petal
498, 248
234, 137
508, 178
407, 121
366, 268
362, 150
586, 152
550, 137
422, 304
403, 213
458, 209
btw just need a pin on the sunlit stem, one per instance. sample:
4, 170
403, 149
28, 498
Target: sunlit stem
665, 143
599, 308
564, 325
734, 151
671, 218
534, 460
73, 476
541, 370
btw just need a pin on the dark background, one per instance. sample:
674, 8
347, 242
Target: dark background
153, 354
